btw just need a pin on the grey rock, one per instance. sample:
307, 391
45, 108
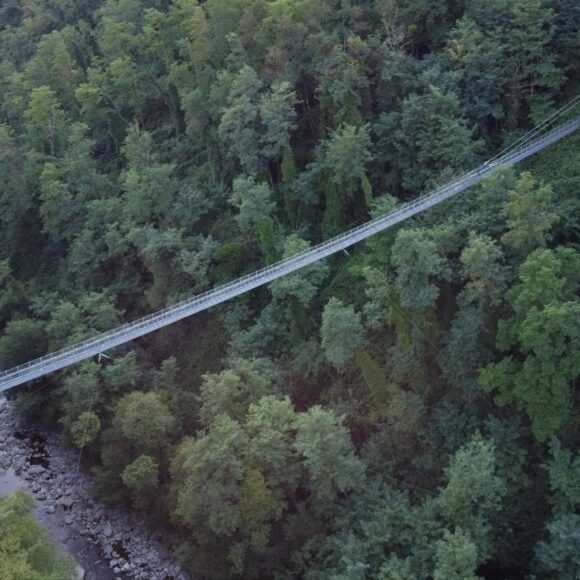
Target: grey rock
41, 495
5, 460
50, 509
36, 470
66, 502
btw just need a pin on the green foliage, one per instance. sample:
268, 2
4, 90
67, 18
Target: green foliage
56, 202
374, 379
210, 471
416, 262
53, 65
399, 535
544, 329
528, 217
142, 478
256, 125
81, 391
559, 556
564, 473
46, 122
152, 150
346, 155
396, 569
428, 138
482, 267
9, 288
258, 506
26, 550
379, 294
15, 199
328, 454
278, 119
149, 186
472, 495
22, 340
70, 323
253, 201
456, 557
531, 35
341, 332
296, 293
235, 480
144, 420
303, 284
85, 429
122, 373
232, 391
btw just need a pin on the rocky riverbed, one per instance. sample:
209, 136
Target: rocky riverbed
106, 542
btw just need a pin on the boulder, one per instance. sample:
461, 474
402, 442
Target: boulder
36, 470
66, 502
5, 460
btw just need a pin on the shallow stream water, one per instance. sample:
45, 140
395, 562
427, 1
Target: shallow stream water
86, 555
106, 542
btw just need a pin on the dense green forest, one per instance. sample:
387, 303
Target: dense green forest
408, 411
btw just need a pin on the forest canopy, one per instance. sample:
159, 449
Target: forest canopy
408, 410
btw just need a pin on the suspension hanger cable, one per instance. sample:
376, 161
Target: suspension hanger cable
566, 108
83, 440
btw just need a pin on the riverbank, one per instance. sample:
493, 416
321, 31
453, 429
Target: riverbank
107, 542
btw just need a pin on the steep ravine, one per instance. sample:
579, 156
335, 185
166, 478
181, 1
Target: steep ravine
106, 542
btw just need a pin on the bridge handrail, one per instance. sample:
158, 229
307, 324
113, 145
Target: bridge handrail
286, 265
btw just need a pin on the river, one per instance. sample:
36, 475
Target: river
90, 565
105, 541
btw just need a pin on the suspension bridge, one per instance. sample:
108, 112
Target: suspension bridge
528, 145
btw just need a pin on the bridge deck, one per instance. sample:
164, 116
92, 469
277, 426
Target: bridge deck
127, 332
